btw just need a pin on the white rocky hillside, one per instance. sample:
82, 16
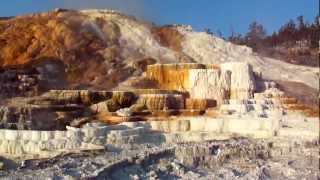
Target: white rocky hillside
201, 47
205, 48
136, 38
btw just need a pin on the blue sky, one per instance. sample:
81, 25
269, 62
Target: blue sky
213, 14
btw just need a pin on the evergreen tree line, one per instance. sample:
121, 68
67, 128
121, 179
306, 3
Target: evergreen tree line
291, 33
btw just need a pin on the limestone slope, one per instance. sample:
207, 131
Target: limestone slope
101, 48
205, 48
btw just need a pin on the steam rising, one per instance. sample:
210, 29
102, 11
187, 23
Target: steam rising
93, 27
132, 7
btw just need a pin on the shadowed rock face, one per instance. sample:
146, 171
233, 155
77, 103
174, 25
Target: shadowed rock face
26, 118
32, 79
15, 82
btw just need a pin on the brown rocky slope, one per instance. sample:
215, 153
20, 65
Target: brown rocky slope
66, 42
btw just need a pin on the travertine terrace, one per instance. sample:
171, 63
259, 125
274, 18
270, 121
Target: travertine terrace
198, 103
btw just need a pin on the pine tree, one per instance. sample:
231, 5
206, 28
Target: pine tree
257, 33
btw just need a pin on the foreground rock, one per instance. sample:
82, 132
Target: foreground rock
231, 159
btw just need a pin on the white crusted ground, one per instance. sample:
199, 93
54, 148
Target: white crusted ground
202, 47
136, 37
205, 48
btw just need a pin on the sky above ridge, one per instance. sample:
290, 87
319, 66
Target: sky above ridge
222, 15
